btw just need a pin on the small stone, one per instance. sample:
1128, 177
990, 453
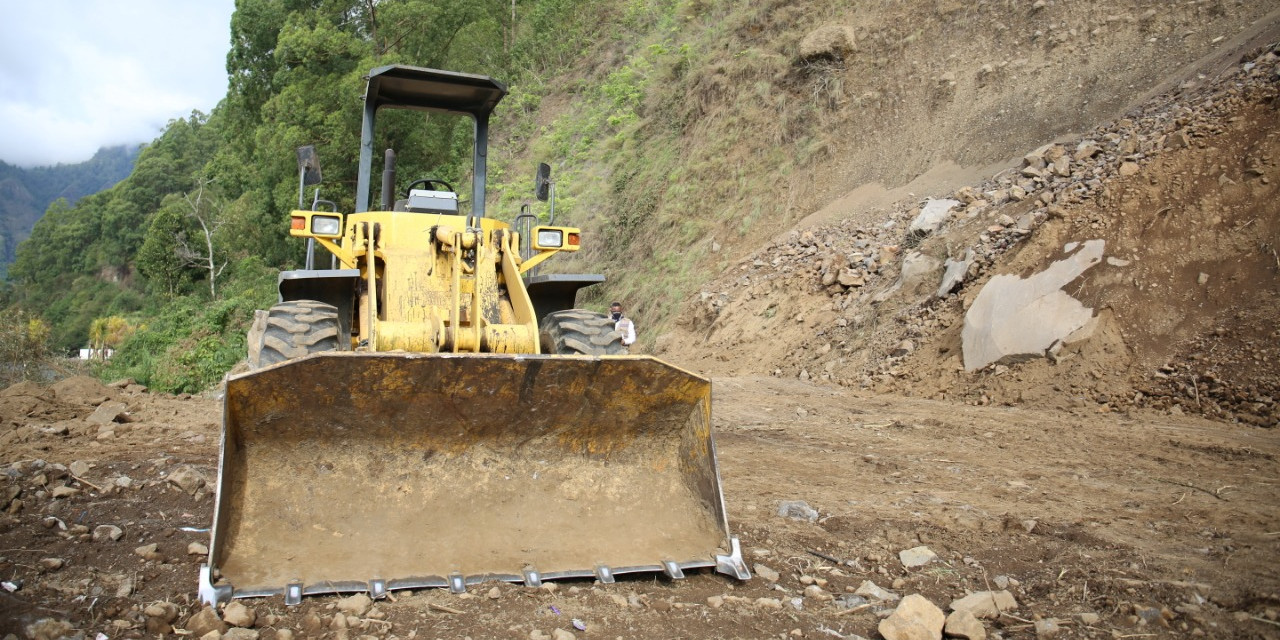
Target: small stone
1047, 628
1129, 168
986, 604
239, 633
619, 600
284, 634
197, 549
1202, 279
495, 593
770, 604
715, 602
79, 468
356, 605
817, 593
51, 564
237, 614
917, 557
1029, 525
1088, 618
562, 634
765, 572
797, 510
869, 589
962, 624
187, 478
915, 619
63, 492
149, 551
204, 622
104, 532
108, 413
538, 634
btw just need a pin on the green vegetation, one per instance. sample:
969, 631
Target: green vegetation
660, 118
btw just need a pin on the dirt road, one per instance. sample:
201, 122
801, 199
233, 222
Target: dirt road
1110, 525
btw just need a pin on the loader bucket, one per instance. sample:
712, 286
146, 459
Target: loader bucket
370, 472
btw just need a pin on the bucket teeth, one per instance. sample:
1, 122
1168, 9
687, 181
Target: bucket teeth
532, 578
672, 570
604, 574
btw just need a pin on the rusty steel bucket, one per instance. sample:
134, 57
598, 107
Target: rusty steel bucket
369, 472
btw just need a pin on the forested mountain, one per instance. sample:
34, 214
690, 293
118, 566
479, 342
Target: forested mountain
138, 252
25, 194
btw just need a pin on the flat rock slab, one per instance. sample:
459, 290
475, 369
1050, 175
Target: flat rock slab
1014, 318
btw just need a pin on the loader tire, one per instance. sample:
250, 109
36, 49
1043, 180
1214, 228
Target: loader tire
292, 330
580, 332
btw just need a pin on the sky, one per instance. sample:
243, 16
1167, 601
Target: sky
78, 75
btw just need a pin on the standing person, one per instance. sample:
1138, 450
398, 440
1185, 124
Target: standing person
622, 324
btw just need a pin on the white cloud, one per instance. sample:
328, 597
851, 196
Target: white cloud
77, 76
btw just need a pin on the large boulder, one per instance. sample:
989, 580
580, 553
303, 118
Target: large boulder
1015, 319
831, 41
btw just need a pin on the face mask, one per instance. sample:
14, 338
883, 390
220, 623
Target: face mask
617, 315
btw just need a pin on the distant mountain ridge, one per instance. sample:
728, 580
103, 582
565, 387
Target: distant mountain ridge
25, 194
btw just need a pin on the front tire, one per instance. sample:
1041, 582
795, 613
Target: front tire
580, 332
295, 329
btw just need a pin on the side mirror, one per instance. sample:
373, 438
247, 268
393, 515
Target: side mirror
542, 182
308, 165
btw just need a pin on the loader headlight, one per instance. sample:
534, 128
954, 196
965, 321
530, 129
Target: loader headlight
326, 225
550, 238
557, 238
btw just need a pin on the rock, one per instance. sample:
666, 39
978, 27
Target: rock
917, 557
79, 468
905, 347
562, 634
954, 272
284, 634
852, 278
1088, 618
986, 604
108, 413
933, 214
915, 619
769, 575
869, 589
124, 586
715, 602
962, 624
238, 633
63, 492
237, 614
47, 629
1129, 168
1016, 319
51, 564
1047, 628
495, 593
160, 617
187, 478
769, 604
356, 605
149, 551
815, 592
205, 621
105, 532
829, 41
797, 510
197, 549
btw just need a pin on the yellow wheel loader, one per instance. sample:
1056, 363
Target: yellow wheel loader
427, 413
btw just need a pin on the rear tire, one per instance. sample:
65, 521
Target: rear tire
295, 329
580, 332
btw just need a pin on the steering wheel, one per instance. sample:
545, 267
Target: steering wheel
430, 184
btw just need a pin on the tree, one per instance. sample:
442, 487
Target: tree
206, 210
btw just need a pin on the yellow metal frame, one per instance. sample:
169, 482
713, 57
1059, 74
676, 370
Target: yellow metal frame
435, 282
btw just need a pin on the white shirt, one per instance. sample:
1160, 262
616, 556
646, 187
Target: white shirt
627, 329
